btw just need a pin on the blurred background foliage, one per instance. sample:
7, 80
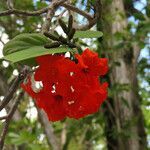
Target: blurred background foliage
26, 131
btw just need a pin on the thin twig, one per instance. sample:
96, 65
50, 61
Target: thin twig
10, 4
91, 23
87, 26
45, 10
48, 129
14, 87
58, 17
23, 12
68, 6
1, 39
51, 11
8, 119
77, 10
3, 117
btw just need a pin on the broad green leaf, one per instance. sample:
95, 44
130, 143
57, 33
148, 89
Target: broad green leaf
26, 46
88, 34
24, 41
33, 52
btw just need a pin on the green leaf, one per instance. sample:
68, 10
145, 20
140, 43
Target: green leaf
24, 41
13, 135
88, 34
26, 46
33, 52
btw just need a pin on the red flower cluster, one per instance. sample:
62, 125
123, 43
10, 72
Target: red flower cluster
68, 88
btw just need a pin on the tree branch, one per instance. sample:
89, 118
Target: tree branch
8, 119
48, 129
93, 20
89, 25
3, 88
77, 10
14, 87
3, 117
49, 9
50, 14
23, 12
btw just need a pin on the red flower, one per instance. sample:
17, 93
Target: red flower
90, 63
68, 89
83, 101
51, 103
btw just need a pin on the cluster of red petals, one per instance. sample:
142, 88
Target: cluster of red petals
68, 88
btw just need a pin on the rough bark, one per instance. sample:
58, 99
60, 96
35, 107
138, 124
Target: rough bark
126, 121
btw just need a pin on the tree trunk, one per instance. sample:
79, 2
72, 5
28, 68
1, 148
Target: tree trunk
124, 119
